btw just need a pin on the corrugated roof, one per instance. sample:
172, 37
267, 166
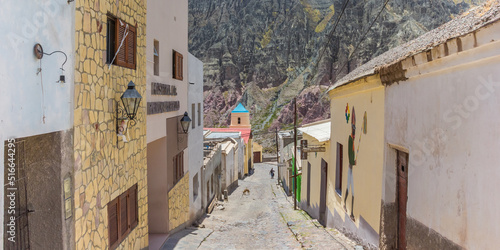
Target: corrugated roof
245, 132
222, 135
459, 26
239, 109
320, 131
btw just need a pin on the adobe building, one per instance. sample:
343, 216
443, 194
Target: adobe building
415, 126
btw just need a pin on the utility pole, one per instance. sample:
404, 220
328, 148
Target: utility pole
295, 154
278, 155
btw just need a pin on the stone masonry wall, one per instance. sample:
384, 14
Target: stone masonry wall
178, 203
105, 166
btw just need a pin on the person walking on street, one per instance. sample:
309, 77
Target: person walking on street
272, 173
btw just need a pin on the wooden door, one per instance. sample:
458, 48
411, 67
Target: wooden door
322, 192
402, 196
256, 157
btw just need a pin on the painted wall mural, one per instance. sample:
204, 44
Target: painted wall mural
347, 113
352, 156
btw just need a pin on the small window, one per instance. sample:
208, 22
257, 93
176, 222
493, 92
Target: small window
177, 65
196, 186
156, 53
239, 120
122, 216
193, 110
338, 169
178, 167
121, 43
199, 114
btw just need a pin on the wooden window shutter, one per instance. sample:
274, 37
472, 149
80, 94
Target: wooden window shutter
177, 65
120, 33
131, 47
124, 225
132, 206
113, 222
125, 55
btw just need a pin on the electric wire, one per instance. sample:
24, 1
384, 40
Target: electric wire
330, 36
362, 39
357, 47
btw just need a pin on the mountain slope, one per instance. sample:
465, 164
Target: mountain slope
264, 53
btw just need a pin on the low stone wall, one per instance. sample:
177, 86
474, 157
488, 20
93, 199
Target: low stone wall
178, 203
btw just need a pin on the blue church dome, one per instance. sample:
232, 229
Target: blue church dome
240, 109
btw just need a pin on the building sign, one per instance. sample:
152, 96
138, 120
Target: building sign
162, 107
162, 89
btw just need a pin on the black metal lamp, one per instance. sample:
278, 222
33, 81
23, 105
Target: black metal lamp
185, 121
131, 100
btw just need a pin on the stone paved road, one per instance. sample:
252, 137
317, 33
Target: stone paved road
264, 219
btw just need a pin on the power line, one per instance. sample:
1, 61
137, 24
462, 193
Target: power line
331, 33
355, 49
362, 39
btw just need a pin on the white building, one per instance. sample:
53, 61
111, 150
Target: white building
167, 94
37, 115
430, 140
195, 137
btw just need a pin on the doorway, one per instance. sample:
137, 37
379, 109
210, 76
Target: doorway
402, 197
322, 193
256, 157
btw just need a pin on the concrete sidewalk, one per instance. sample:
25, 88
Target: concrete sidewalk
309, 232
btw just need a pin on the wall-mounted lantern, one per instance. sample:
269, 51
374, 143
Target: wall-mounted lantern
38, 50
131, 100
185, 121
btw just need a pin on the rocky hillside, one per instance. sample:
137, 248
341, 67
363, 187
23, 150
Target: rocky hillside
264, 53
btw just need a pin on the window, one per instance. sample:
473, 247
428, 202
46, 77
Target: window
303, 147
193, 110
177, 65
156, 53
338, 169
239, 120
196, 186
178, 167
122, 216
199, 114
121, 43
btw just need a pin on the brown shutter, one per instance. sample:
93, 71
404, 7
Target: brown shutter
113, 222
132, 206
179, 66
131, 47
121, 51
123, 215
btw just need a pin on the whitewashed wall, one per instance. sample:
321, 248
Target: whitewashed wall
32, 103
447, 115
195, 137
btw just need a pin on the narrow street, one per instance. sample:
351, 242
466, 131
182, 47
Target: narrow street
262, 219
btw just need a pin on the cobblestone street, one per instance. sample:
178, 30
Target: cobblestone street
263, 219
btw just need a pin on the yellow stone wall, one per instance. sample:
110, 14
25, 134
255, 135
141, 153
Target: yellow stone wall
105, 166
178, 203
